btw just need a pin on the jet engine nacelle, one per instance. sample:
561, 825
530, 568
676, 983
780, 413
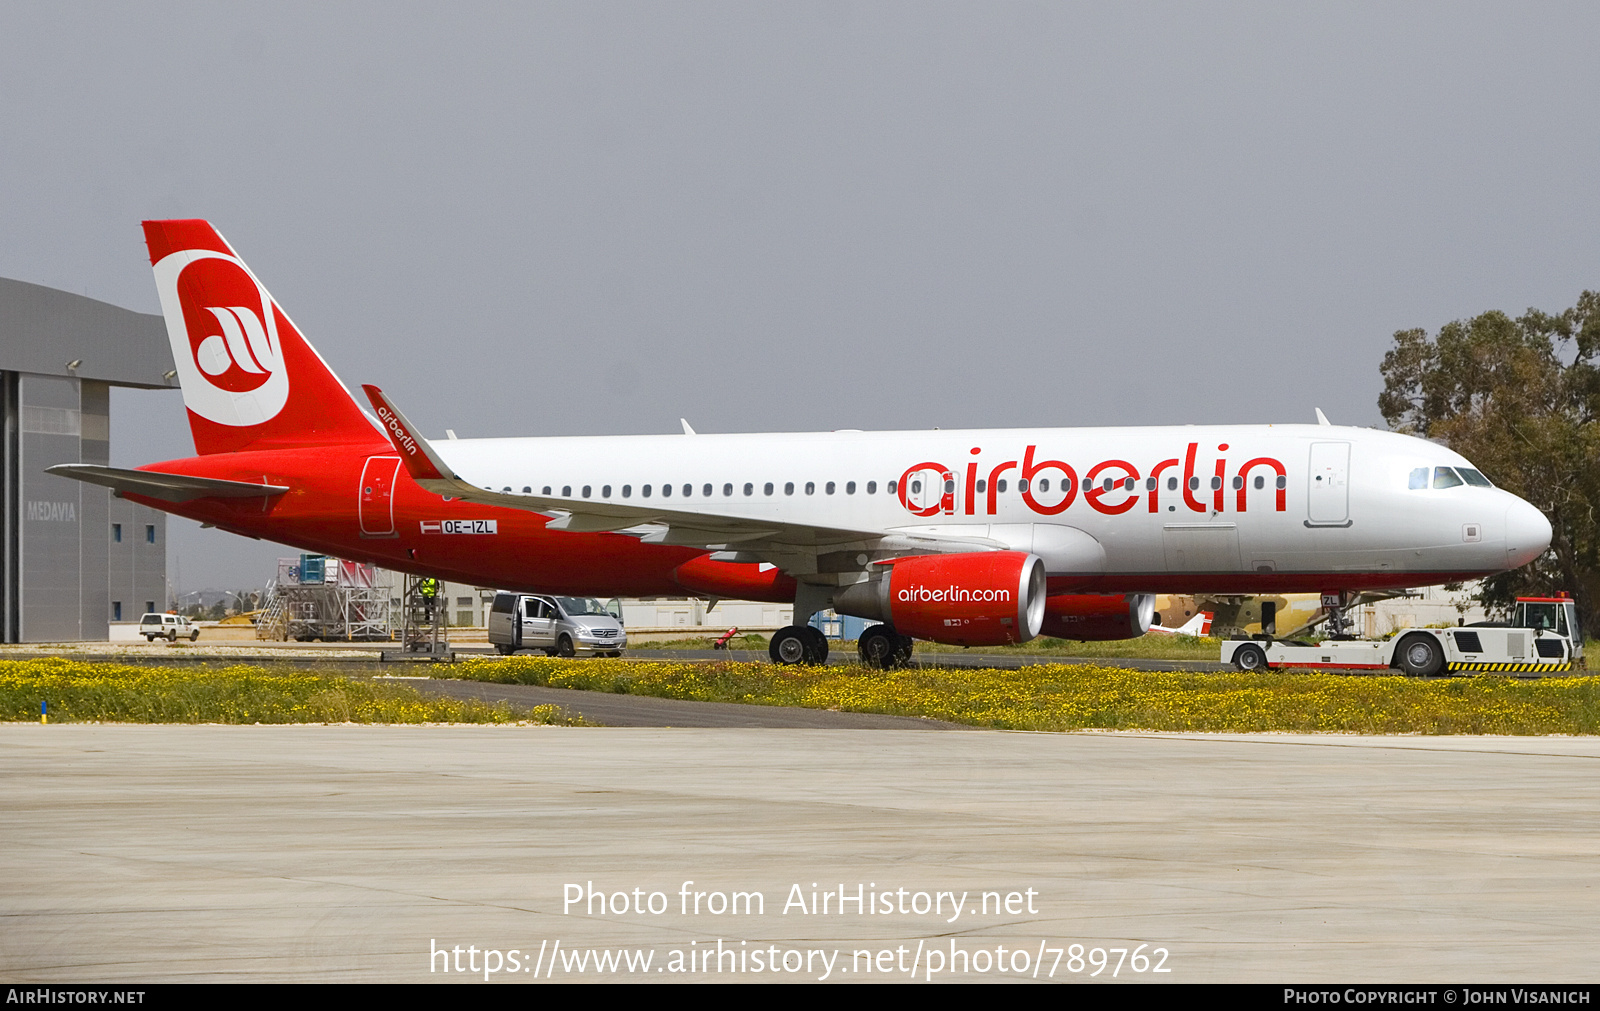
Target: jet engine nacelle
1094, 616
981, 598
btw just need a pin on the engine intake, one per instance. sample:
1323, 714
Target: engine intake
985, 598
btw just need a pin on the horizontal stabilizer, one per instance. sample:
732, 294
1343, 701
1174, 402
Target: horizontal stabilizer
163, 487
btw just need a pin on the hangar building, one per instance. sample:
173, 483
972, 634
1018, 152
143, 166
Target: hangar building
73, 557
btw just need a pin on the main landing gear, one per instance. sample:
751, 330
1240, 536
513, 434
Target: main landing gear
884, 648
798, 644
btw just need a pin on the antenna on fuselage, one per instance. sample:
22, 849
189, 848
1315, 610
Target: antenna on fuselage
1322, 419
685, 423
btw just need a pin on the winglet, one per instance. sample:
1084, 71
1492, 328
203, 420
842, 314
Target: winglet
420, 460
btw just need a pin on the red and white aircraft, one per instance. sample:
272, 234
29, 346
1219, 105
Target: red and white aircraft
963, 537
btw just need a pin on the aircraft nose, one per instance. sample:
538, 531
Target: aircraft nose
1527, 534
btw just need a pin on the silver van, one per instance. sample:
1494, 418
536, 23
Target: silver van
561, 626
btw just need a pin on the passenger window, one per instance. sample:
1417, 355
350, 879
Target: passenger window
527, 490
982, 486
895, 484
1216, 483
1044, 484
1419, 478
850, 487
872, 487
627, 491
788, 488
727, 490
1444, 477
1149, 484
1128, 484
666, 490
605, 492
811, 487
766, 489
688, 490
645, 491
1261, 482
1001, 485
916, 488
1172, 484
749, 489
828, 487
586, 490
1022, 485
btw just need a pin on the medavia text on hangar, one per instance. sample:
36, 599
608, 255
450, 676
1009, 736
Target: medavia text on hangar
73, 557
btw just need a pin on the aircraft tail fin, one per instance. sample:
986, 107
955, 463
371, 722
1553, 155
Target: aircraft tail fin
1198, 626
249, 379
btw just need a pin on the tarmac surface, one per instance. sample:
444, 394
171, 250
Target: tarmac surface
350, 853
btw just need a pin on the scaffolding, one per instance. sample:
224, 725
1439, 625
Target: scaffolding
317, 598
424, 628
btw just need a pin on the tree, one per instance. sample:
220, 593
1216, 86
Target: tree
1520, 398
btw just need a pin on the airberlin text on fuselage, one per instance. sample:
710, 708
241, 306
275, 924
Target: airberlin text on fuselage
1110, 486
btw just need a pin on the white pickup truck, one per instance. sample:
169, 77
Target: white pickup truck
1543, 637
170, 627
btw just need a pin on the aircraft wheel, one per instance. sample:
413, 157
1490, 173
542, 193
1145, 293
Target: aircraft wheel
881, 647
816, 645
564, 647
790, 646
877, 647
1250, 658
1420, 656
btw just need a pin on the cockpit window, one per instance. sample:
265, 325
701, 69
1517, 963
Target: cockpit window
1419, 478
1444, 477
1474, 478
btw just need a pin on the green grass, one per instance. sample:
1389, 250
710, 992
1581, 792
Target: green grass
1090, 696
76, 691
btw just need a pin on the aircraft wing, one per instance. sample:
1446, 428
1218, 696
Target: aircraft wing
163, 487
651, 523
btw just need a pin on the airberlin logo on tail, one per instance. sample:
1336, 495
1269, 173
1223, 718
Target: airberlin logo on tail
402, 438
224, 334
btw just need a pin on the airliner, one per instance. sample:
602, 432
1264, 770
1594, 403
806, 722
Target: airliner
968, 538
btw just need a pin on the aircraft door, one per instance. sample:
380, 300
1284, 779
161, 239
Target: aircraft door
926, 491
1328, 498
375, 501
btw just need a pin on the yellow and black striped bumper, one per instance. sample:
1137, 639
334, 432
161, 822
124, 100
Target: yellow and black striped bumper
1510, 666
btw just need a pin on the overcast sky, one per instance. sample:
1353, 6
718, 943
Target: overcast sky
592, 218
